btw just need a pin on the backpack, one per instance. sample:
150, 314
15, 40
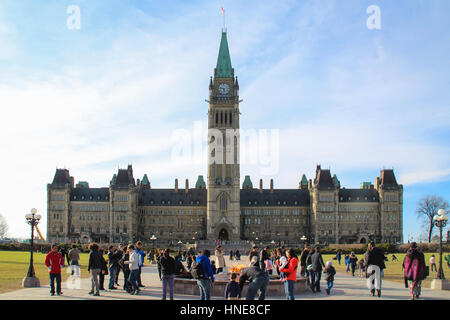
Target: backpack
197, 270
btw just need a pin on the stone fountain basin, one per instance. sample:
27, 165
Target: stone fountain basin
274, 289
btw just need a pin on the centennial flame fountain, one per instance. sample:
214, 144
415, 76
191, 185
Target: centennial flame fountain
275, 288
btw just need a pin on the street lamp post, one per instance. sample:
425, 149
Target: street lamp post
303, 238
179, 245
440, 221
31, 280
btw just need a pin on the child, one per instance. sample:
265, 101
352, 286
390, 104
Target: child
361, 267
282, 262
233, 290
329, 276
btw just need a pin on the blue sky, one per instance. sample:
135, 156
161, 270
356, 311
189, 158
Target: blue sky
115, 91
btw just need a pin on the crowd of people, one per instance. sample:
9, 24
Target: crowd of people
262, 265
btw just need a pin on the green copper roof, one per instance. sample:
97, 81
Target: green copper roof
145, 181
336, 181
223, 67
200, 183
304, 180
82, 184
247, 184
365, 185
113, 180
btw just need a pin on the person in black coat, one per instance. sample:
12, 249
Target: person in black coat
95, 267
375, 257
104, 270
303, 271
263, 256
316, 270
126, 270
166, 271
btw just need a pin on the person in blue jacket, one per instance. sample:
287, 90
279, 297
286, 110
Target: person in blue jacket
207, 281
141, 261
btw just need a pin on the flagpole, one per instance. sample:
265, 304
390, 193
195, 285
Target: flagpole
223, 11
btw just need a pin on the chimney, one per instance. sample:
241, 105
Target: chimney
271, 185
260, 185
176, 185
377, 183
187, 185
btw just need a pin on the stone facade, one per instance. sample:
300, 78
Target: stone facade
130, 210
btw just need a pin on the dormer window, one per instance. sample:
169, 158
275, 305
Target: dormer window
180, 202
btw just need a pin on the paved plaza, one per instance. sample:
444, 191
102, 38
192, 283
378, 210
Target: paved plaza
346, 287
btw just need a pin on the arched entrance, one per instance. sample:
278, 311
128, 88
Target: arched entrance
223, 235
362, 241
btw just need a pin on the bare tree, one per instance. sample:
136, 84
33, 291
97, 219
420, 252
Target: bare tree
427, 208
3, 226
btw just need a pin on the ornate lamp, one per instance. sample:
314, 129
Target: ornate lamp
31, 280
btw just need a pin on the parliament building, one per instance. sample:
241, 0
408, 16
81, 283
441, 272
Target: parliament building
319, 209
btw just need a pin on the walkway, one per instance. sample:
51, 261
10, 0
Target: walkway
346, 288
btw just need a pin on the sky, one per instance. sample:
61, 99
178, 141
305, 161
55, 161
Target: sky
127, 81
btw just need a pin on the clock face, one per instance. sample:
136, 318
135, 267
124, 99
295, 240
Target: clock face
224, 88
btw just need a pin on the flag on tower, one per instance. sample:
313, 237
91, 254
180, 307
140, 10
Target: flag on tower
223, 11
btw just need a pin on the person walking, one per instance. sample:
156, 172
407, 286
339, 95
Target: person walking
74, 257
166, 271
303, 271
414, 270
95, 267
361, 268
433, 263
353, 260
374, 265
231, 255
259, 280
114, 257
141, 262
220, 260
54, 261
290, 274
329, 272
237, 255
346, 260
133, 264
317, 265
339, 256
205, 280
104, 270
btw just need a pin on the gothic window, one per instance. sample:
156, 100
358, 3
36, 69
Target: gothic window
223, 202
226, 117
221, 118
217, 118
231, 121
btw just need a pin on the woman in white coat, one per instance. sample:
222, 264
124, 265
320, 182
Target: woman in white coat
220, 260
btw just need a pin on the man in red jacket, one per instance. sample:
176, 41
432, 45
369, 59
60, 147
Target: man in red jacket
54, 262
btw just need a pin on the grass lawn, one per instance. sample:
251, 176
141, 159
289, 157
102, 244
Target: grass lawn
393, 271
14, 267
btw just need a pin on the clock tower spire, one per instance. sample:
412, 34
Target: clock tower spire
223, 192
